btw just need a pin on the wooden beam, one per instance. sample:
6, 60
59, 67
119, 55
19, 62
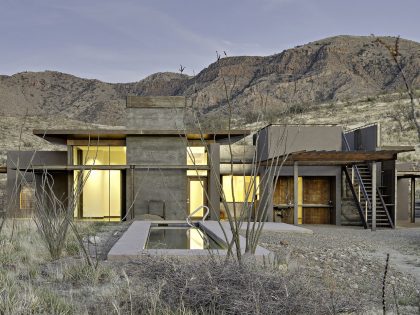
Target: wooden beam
96, 142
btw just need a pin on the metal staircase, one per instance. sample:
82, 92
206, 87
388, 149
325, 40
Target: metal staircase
359, 178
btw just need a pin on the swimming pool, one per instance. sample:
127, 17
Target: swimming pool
179, 236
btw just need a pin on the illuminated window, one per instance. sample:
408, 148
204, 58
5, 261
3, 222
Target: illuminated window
196, 156
99, 155
101, 193
243, 186
27, 197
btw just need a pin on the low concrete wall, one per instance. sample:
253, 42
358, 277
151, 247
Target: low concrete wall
133, 242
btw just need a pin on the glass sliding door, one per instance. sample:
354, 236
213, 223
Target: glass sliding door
197, 180
98, 192
196, 195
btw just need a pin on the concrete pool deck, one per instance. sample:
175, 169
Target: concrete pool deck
133, 242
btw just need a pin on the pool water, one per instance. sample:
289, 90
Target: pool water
179, 237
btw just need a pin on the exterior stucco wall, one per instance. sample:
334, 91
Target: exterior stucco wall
276, 140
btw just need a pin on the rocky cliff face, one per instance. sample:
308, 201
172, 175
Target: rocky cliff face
332, 69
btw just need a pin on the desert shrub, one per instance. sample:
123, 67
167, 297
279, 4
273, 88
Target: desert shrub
52, 217
167, 285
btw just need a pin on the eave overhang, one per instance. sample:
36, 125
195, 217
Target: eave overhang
336, 158
60, 136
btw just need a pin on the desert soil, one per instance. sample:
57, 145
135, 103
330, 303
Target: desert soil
354, 257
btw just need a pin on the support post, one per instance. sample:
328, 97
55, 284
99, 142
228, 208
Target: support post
295, 192
374, 196
70, 180
214, 181
133, 201
413, 200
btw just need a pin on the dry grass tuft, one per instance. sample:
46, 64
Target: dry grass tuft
159, 284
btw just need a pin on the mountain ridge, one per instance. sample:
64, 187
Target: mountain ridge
333, 69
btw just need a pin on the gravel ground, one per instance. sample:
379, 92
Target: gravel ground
345, 264
355, 259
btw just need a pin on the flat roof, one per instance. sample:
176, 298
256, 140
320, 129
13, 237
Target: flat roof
337, 157
61, 135
298, 125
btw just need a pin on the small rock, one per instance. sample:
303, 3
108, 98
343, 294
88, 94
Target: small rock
94, 239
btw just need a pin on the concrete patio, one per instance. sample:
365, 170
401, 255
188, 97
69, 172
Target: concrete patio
133, 242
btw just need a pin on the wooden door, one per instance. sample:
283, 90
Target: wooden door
317, 204
283, 200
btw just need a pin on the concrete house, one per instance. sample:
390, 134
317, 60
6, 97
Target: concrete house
155, 168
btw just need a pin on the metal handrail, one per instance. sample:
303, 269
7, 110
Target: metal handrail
359, 178
196, 210
381, 198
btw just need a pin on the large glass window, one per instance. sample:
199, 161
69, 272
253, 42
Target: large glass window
99, 192
196, 156
197, 180
244, 188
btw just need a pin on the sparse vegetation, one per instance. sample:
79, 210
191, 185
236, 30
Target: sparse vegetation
290, 284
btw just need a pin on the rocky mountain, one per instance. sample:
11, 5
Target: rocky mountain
334, 69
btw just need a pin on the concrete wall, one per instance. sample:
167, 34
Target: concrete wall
403, 199
15, 179
167, 185
155, 118
242, 155
278, 140
155, 113
239, 153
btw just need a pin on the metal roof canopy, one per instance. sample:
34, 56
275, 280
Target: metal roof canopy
325, 158
61, 135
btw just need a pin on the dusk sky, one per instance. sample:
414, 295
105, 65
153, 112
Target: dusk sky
127, 40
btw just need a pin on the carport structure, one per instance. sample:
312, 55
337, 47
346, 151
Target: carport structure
361, 172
